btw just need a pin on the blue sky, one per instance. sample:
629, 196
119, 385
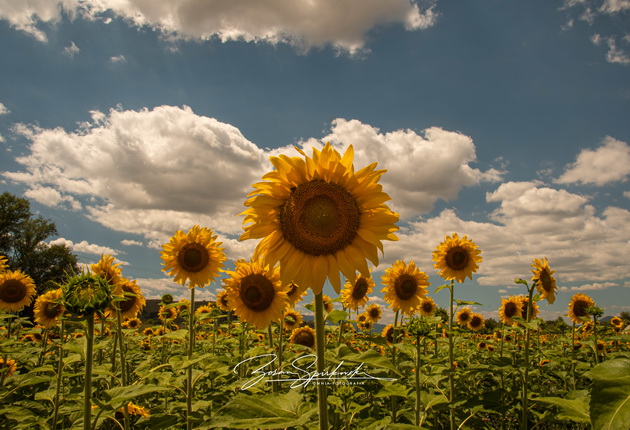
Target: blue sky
123, 121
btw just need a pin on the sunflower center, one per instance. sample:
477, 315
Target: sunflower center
360, 289
457, 258
545, 280
374, 313
12, 291
475, 321
305, 338
427, 307
464, 317
129, 301
193, 257
320, 218
510, 309
257, 292
52, 310
406, 287
579, 308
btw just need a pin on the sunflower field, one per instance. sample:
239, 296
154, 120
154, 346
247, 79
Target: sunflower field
250, 360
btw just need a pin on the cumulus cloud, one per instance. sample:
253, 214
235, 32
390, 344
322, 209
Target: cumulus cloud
342, 24
421, 168
85, 247
590, 287
129, 242
615, 53
609, 163
153, 288
4, 110
71, 50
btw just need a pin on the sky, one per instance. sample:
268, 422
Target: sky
123, 121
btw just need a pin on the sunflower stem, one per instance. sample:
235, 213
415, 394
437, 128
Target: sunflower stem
525, 412
595, 339
320, 337
394, 341
451, 376
274, 384
87, 391
189, 371
123, 365
573, 353
418, 362
59, 376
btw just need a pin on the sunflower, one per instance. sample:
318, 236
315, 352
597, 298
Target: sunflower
524, 300
166, 313
427, 307
374, 313
48, 308
616, 321
601, 346
132, 302
543, 277
292, 319
366, 326
362, 318
222, 301
295, 293
388, 333
194, 256
109, 271
577, 307
205, 309
328, 304
303, 336
463, 316
133, 323
318, 216
482, 345
3, 263
355, 295
476, 322
405, 286
148, 331
255, 292
509, 309
16, 290
456, 258
9, 366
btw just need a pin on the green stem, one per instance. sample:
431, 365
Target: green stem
525, 401
595, 339
451, 376
274, 384
189, 371
59, 377
320, 337
418, 362
123, 363
394, 403
573, 354
87, 389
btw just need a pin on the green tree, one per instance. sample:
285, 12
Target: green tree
22, 239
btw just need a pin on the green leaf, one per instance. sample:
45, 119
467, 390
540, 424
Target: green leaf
336, 315
466, 302
117, 396
370, 357
570, 409
393, 389
441, 287
521, 281
610, 395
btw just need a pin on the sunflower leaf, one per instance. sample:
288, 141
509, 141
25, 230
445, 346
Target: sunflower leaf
336, 315
441, 287
467, 302
521, 281
610, 394
569, 409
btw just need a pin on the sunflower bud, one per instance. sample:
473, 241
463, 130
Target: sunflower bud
87, 293
418, 327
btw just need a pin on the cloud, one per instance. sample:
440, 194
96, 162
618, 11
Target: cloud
128, 242
590, 287
315, 23
607, 164
615, 54
85, 247
615, 6
4, 110
117, 59
155, 288
51, 197
71, 50
421, 168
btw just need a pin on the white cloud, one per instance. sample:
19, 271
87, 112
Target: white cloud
155, 288
615, 6
51, 197
84, 246
4, 110
421, 168
129, 242
71, 50
590, 287
608, 163
117, 59
343, 24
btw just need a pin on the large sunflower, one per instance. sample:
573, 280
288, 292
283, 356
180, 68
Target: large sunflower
355, 294
317, 216
194, 256
133, 300
577, 307
48, 308
255, 293
405, 286
543, 277
16, 290
456, 258
509, 309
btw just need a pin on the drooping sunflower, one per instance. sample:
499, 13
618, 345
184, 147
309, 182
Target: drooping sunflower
543, 277
509, 309
222, 301
524, 300
577, 307
17, 290
463, 316
405, 286
303, 336
295, 293
388, 333
317, 216
194, 256
48, 308
457, 258
110, 271
374, 312
255, 293
292, 319
130, 300
355, 295
476, 322
427, 307
328, 304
